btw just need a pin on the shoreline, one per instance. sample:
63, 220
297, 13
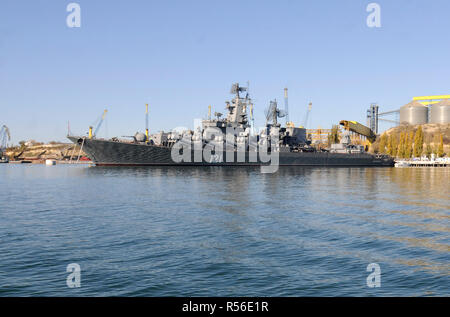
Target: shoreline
43, 162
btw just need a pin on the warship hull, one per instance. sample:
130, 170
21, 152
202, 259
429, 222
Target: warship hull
112, 153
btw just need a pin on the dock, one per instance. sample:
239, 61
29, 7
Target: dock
441, 163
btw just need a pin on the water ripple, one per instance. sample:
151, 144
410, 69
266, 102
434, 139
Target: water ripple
223, 231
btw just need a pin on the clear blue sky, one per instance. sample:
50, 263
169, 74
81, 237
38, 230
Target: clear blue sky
181, 56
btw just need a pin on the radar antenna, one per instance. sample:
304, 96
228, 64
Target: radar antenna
273, 113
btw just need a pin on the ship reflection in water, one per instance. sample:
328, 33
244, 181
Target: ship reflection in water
224, 231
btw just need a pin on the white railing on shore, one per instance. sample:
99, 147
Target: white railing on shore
438, 162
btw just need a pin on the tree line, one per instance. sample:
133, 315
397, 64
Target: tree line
410, 144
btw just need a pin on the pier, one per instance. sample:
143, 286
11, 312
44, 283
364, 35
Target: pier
441, 163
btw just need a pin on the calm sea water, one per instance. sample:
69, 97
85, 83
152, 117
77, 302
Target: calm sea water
223, 231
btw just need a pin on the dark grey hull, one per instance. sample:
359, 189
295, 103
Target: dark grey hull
110, 153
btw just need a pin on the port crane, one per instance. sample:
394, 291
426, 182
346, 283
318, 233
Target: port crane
5, 137
308, 111
146, 123
99, 124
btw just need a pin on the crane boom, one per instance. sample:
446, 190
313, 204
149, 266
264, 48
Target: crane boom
100, 122
146, 122
360, 129
286, 106
4, 137
308, 110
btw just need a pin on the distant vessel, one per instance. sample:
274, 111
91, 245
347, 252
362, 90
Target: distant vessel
402, 164
50, 162
241, 148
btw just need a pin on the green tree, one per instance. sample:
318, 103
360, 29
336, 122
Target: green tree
436, 141
389, 144
418, 142
428, 150
440, 151
401, 146
395, 143
409, 145
405, 144
333, 137
22, 145
383, 143
392, 144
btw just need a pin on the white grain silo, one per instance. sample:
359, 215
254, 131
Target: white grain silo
414, 113
440, 112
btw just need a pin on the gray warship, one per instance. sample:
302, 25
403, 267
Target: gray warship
228, 141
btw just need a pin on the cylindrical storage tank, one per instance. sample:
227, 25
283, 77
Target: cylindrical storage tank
414, 113
440, 112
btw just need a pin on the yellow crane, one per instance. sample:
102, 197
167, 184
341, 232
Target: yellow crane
93, 134
360, 129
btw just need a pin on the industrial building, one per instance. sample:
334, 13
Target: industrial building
421, 110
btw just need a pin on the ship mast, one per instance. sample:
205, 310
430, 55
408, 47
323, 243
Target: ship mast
237, 109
